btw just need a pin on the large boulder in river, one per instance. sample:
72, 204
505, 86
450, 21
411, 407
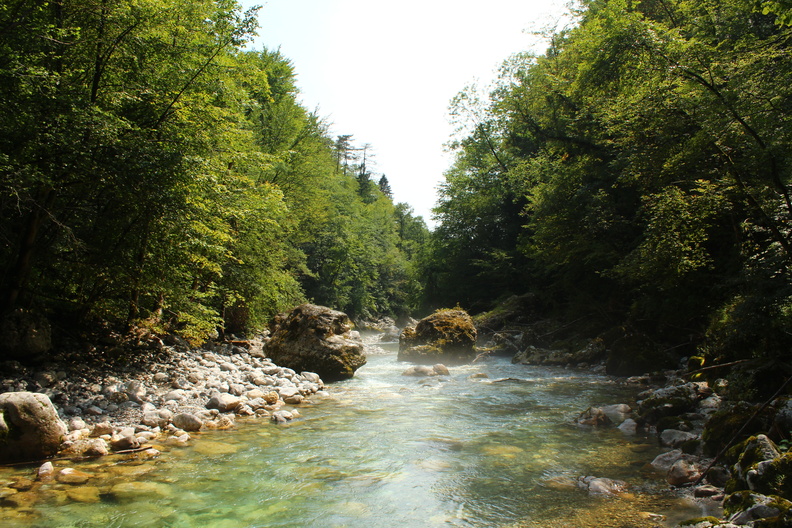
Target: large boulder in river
446, 334
30, 428
316, 339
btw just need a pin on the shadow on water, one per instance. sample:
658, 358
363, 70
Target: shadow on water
388, 450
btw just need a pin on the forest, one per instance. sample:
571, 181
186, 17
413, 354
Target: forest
157, 173
637, 176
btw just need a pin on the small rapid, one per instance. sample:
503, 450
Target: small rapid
491, 445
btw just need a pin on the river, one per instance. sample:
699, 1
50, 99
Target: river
385, 450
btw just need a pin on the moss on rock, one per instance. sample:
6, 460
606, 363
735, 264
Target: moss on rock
722, 426
699, 522
447, 334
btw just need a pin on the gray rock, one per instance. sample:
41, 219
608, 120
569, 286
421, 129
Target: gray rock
295, 399
593, 416
86, 447
675, 438
77, 424
312, 377
664, 461
684, 471
32, 428
174, 395
237, 389
153, 419
136, 391
419, 370
223, 402
316, 339
629, 427
618, 412
597, 486
124, 443
441, 370
46, 471
282, 416
187, 422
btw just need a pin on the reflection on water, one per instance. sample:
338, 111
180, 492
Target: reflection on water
385, 450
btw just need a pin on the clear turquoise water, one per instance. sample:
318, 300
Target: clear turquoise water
387, 451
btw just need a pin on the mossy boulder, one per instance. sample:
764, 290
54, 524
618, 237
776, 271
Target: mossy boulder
761, 468
316, 339
762, 511
671, 402
722, 426
447, 335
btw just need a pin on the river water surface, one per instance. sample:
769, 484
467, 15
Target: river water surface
385, 450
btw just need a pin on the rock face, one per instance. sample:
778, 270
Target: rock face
446, 334
30, 428
317, 339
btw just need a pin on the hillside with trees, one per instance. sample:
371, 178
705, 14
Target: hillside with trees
156, 173
636, 176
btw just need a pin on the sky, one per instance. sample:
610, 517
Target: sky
386, 71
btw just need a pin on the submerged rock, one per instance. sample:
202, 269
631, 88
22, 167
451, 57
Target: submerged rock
597, 486
446, 334
425, 370
317, 339
593, 416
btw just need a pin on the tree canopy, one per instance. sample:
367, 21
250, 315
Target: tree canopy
638, 170
156, 172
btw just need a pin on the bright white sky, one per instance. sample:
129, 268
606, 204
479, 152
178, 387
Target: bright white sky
386, 71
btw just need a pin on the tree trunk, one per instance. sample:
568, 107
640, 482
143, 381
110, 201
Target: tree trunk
27, 244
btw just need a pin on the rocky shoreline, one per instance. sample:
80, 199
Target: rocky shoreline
176, 392
167, 392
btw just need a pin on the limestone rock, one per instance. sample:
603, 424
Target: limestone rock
597, 486
85, 447
316, 339
675, 438
45, 471
73, 476
30, 428
684, 471
223, 402
419, 370
282, 416
617, 413
629, 427
446, 334
593, 416
664, 461
187, 422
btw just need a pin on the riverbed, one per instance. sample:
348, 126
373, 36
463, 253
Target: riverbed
491, 445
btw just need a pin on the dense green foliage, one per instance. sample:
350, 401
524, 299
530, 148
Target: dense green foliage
154, 172
639, 171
